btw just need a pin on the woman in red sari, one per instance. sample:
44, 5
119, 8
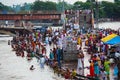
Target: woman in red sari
92, 69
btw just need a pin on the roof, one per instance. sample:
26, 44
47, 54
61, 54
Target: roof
112, 39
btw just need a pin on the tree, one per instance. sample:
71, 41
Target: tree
90, 1
26, 7
59, 7
50, 6
1, 6
78, 5
116, 0
108, 8
66, 6
40, 5
4, 7
116, 10
87, 5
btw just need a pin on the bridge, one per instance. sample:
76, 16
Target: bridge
21, 22
26, 19
30, 16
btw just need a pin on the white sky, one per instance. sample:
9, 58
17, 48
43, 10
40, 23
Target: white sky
11, 2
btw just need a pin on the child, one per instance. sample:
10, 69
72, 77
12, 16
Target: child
73, 74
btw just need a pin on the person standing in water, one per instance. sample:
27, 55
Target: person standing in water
42, 61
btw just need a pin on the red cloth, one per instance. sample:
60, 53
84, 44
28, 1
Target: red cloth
67, 76
22, 55
28, 54
92, 71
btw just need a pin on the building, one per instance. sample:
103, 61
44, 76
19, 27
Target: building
81, 17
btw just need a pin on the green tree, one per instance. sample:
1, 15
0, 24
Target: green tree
38, 5
101, 13
50, 5
78, 5
26, 7
90, 1
1, 6
116, 11
41, 6
66, 6
59, 6
87, 5
108, 8
4, 7
116, 0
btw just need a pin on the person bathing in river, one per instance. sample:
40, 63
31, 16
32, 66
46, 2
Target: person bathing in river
51, 56
32, 67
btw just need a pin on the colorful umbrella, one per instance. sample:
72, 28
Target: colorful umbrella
112, 39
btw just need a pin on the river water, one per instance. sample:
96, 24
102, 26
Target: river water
112, 25
17, 68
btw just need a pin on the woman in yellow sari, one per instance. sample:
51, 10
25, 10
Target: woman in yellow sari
79, 41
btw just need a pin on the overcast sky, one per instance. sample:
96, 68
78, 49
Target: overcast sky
11, 2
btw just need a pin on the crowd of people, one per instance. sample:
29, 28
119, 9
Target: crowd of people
100, 63
34, 44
